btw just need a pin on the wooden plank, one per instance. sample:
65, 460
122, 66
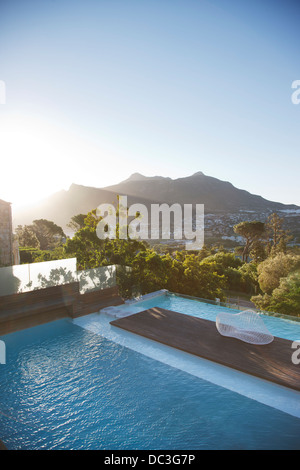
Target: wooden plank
272, 362
19, 311
27, 309
93, 301
38, 300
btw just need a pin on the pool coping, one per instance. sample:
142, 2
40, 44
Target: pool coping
268, 393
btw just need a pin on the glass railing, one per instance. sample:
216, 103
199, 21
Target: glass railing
96, 279
29, 277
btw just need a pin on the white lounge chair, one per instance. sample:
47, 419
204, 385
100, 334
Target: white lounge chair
247, 326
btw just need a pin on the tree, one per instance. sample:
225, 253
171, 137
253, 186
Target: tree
48, 233
285, 298
222, 261
202, 280
91, 251
258, 252
149, 271
26, 237
249, 279
226, 265
252, 232
182, 274
278, 237
77, 222
273, 269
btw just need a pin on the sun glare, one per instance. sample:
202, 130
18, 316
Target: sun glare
40, 159
32, 156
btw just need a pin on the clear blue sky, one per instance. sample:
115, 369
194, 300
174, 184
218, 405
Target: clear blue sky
99, 89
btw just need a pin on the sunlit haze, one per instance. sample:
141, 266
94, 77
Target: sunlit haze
98, 90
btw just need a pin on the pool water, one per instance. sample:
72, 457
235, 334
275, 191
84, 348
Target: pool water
283, 328
65, 387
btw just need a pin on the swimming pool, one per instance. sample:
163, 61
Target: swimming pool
65, 386
282, 327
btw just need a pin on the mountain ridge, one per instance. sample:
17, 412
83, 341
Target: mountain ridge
198, 188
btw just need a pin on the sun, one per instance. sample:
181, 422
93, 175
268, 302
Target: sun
38, 157
41, 157
29, 155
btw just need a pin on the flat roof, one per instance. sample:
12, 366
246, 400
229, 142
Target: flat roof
271, 362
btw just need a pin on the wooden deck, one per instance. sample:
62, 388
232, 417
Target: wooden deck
272, 362
28, 309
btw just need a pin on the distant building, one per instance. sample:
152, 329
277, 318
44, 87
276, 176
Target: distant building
6, 235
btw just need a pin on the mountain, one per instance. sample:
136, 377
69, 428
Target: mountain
199, 188
216, 195
63, 205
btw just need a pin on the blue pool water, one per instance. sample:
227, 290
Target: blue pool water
282, 327
64, 387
